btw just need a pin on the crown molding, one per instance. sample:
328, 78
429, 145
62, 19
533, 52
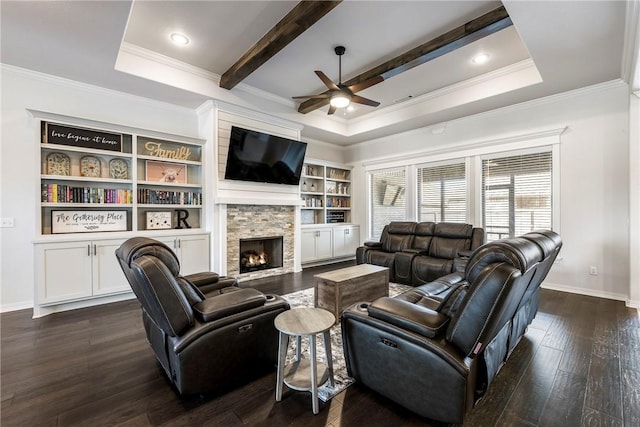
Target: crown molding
153, 56
89, 88
631, 49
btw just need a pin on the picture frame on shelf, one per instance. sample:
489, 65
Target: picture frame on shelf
165, 172
158, 220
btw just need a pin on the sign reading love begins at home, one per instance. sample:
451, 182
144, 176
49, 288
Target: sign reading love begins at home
59, 134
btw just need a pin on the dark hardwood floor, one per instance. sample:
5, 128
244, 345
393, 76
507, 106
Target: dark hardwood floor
578, 365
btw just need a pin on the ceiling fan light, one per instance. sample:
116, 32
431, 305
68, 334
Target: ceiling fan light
340, 100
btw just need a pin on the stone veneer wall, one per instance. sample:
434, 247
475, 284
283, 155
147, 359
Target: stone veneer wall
252, 221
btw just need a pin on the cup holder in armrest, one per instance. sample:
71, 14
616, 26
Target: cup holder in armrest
270, 297
363, 306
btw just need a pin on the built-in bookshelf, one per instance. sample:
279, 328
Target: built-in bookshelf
98, 179
326, 193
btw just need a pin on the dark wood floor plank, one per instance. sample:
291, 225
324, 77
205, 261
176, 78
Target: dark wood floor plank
593, 418
566, 401
631, 397
532, 393
604, 383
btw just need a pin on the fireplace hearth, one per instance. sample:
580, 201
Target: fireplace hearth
261, 253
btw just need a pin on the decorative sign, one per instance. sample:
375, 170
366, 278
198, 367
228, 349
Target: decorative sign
158, 220
65, 135
88, 221
166, 150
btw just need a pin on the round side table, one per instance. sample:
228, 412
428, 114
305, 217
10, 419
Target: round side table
304, 374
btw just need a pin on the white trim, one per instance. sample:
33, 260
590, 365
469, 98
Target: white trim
25, 305
94, 90
467, 149
584, 291
630, 64
447, 90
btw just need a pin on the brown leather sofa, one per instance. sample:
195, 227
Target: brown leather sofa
206, 332
418, 253
437, 353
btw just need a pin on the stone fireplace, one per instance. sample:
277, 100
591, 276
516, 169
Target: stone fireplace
252, 223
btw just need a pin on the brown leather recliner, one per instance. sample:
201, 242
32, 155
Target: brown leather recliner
418, 253
205, 341
437, 357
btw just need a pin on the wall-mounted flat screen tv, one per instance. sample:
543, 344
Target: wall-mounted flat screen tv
260, 157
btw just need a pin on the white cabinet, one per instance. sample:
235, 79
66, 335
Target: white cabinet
316, 244
192, 252
329, 242
76, 270
346, 240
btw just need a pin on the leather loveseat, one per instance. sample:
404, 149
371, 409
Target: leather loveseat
206, 332
437, 353
418, 253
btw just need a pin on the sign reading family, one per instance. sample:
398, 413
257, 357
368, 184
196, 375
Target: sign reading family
88, 221
59, 134
167, 151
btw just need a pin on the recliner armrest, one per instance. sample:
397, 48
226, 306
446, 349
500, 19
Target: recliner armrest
409, 316
203, 278
226, 304
372, 244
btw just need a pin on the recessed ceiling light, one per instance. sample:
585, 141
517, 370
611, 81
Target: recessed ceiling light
179, 39
480, 58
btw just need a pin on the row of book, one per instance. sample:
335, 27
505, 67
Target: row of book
59, 193
159, 197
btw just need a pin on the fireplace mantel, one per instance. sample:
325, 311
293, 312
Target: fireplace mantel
258, 200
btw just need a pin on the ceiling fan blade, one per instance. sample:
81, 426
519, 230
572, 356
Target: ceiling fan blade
326, 80
361, 100
365, 84
319, 96
332, 110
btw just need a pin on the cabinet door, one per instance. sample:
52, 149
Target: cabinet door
345, 240
63, 271
193, 252
324, 246
308, 245
108, 277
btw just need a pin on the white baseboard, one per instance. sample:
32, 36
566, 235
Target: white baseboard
583, 291
5, 308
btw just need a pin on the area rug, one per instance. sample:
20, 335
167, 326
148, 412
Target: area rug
304, 298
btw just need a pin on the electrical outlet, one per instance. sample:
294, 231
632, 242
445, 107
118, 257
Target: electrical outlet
593, 270
6, 222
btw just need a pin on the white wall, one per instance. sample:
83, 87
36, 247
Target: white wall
594, 175
19, 169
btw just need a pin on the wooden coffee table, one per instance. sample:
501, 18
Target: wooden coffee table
338, 289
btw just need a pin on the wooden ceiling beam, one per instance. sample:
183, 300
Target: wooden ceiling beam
473, 30
301, 17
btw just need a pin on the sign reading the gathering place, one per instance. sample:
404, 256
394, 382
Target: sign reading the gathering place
87, 221
59, 134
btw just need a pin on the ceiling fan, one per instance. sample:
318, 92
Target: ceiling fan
340, 95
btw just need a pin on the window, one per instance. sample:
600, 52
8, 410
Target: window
516, 194
388, 204
442, 193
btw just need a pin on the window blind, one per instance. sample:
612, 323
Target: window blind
387, 197
516, 194
442, 193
